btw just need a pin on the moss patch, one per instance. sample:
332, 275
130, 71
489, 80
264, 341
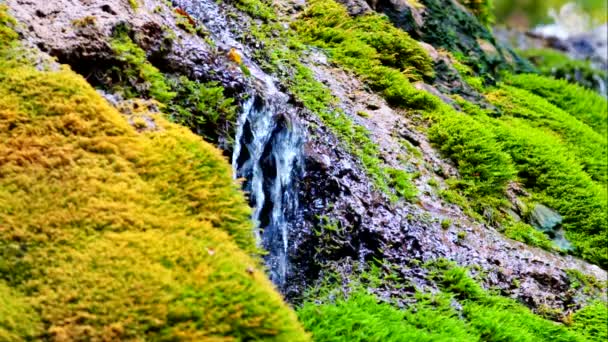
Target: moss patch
482, 316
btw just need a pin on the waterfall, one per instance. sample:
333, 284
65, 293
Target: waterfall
267, 153
267, 148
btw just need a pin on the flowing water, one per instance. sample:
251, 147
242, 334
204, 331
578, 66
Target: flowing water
267, 153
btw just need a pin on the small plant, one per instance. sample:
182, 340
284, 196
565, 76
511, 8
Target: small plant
461, 235
433, 183
204, 108
401, 182
446, 224
185, 21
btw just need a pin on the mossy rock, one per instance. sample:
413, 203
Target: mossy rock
107, 233
466, 35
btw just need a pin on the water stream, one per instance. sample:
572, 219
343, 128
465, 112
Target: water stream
267, 153
267, 149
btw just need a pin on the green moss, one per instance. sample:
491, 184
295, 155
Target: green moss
137, 76
111, 234
446, 224
401, 182
589, 147
361, 316
557, 158
529, 235
261, 9
134, 4
8, 37
591, 320
484, 168
386, 57
579, 279
468, 75
583, 104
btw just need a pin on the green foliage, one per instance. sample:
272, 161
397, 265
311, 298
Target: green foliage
362, 318
107, 233
446, 223
137, 75
400, 181
591, 320
529, 235
261, 9
476, 82
134, 4
583, 104
8, 37
204, 108
579, 279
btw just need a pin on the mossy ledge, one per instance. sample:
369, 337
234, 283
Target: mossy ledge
110, 233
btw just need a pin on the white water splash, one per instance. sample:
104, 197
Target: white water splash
570, 20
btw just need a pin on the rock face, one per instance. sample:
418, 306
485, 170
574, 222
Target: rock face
340, 221
78, 33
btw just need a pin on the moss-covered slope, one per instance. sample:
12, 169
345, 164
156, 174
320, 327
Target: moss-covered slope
113, 233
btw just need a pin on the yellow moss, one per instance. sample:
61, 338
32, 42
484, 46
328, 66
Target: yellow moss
17, 320
234, 56
119, 234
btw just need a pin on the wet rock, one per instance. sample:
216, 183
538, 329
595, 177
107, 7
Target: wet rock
544, 218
